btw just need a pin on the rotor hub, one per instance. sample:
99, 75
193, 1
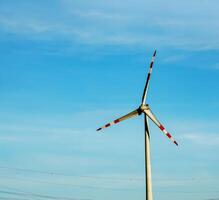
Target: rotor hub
142, 108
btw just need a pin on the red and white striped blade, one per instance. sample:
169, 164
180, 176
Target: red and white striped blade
148, 79
130, 115
154, 119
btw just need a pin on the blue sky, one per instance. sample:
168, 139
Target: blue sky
69, 66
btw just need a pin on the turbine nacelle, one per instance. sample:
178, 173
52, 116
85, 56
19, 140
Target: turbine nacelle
142, 108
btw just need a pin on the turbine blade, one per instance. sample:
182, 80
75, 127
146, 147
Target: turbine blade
129, 115
154, 119
148, 79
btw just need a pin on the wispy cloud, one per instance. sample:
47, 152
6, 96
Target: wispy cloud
98, 15
206, 139
39, 29
212, 199
114, 25
173, 59
215, 66
12, 138
23, 26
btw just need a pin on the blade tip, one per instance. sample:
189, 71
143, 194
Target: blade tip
155, 52
176, 143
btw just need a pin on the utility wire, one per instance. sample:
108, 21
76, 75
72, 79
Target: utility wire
52, 173
68, 184
71, 175
41, 196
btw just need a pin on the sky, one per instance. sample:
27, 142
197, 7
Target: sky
69, 66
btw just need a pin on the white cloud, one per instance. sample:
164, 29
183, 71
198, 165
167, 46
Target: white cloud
213, 199
109, 23
216, 66
204, 139
96, 14
173, 59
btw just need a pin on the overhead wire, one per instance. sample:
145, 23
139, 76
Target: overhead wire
16, 192
67, 184
51, 173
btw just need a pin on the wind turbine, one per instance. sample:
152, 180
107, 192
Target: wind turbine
145, 109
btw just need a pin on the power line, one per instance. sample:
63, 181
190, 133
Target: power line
71, 175
42, 196
52, 173
106, 178
66, 184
